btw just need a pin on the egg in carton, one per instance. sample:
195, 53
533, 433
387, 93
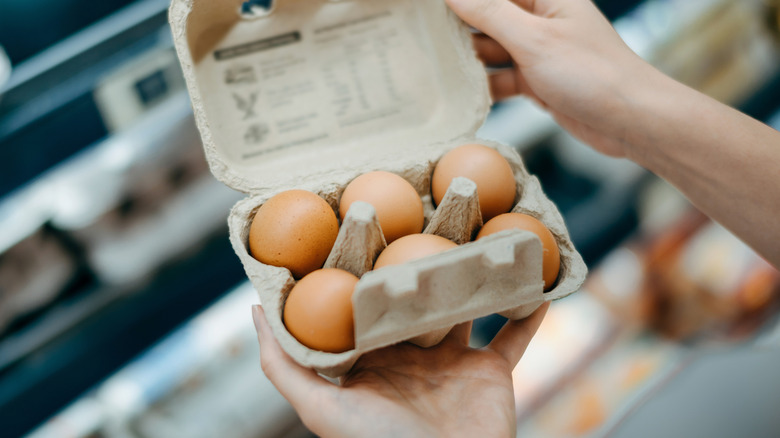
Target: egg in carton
313, 94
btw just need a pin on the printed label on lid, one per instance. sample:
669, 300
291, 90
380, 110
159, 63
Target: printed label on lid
355, 72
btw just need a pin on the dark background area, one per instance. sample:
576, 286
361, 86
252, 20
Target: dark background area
29, 26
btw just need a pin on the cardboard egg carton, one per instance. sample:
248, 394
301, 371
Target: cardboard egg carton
318, 92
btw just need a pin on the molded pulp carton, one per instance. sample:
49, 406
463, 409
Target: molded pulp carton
317, 92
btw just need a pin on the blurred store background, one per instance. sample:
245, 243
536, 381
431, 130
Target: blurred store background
125, 313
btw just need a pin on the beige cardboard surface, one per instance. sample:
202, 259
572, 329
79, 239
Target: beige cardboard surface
341, 89
359, 242
457, 217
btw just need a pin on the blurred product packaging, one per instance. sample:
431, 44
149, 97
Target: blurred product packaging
574, 331
685, 277
603, 389
727, 52
143, 197
35, 266
726, 49
701, 280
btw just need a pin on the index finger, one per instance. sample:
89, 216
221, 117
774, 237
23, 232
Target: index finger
503, 20
491, 52
512, 340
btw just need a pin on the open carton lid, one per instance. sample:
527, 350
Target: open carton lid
315, 89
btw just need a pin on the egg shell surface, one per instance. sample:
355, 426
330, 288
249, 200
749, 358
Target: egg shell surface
413, 247
318, 311
496, 186
551, 262
295, 229
398, 206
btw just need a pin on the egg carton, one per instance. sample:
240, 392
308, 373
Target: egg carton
318, 92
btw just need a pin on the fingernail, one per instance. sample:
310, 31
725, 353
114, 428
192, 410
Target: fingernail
256, 315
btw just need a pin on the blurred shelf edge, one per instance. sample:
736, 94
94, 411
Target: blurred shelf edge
50, 93
5, 69
87, 48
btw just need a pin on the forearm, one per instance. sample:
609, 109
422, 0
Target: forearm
725, 162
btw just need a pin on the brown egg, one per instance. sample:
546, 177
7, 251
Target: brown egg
551, 261
318, 311
491, 172
399, 208
296, 230
412, 247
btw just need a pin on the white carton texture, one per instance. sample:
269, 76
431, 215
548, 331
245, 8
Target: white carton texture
319, 92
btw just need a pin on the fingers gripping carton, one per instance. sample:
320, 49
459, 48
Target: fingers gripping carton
317, 92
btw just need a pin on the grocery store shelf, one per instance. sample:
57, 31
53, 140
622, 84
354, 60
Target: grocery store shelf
35, 389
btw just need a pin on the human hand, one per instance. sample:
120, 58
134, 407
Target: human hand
566, 56
449, 390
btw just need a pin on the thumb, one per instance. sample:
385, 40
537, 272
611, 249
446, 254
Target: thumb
502, 20
302, 387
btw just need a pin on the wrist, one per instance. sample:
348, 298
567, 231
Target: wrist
653, 106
